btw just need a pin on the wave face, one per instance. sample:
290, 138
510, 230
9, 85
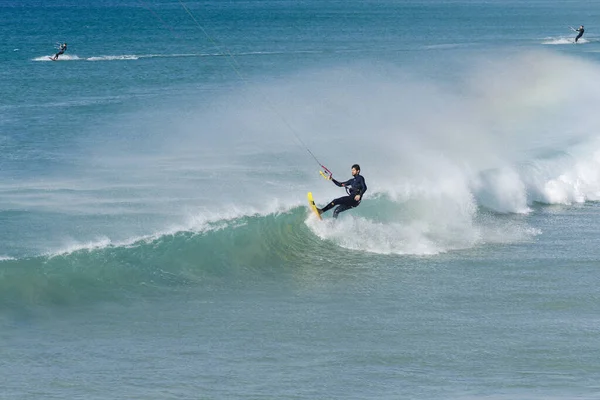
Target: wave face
238, 249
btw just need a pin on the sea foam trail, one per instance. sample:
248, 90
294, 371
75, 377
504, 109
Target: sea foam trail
64, 57
563, 40
133, 57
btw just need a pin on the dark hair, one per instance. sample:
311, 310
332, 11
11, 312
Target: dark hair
356, 167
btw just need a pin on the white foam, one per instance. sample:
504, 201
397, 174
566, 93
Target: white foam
563, 40
559, 40
64, 57
133, 57
200, 222
74, 246
418, 237
113, 58
577, 183
421, 232
502, 190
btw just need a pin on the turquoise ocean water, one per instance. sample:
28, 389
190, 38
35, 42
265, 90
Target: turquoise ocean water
154, 237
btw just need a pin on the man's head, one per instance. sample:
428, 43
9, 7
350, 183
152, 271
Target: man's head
355, 169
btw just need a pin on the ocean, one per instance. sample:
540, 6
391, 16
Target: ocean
155, 240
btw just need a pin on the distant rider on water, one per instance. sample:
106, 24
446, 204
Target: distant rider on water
580, 30
61, 50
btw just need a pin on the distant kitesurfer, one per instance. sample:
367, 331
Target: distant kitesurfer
580, 34
61, 50
355, 187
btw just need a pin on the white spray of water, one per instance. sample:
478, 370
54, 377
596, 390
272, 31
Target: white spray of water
64, 57
512, 132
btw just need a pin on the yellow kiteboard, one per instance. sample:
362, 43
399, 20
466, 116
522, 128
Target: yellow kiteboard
311, 204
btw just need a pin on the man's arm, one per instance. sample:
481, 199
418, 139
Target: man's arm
341, 184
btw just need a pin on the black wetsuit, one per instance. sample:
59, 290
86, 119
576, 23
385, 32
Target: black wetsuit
61, 50
580, 30
354, 186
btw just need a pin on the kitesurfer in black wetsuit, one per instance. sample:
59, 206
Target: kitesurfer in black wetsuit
580, 30
355, 187
61, 50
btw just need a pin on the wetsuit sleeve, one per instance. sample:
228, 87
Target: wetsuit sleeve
341, 184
